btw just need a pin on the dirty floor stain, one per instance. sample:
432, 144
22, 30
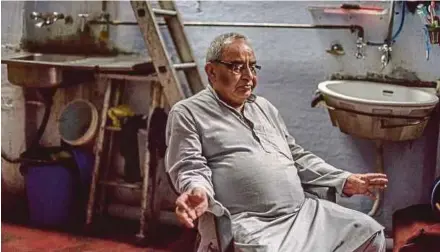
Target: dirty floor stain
21, 238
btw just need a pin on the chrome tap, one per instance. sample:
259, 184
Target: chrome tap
47, 18
84, 17
36, 15
102, 19
360, 45
386, 47
386, 54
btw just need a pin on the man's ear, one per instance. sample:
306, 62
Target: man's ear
210, 71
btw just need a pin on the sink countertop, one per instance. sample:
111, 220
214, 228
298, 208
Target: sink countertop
119, 63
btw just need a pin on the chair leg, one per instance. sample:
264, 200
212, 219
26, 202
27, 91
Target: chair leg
197, 242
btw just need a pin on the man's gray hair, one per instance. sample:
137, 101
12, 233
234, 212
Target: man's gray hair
215, 50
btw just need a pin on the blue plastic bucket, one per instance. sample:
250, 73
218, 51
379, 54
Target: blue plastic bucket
53, 189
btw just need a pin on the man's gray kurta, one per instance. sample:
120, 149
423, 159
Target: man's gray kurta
252, 170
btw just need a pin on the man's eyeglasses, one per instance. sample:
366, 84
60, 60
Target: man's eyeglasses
238, 68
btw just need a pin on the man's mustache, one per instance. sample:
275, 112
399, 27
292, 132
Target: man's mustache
252, 85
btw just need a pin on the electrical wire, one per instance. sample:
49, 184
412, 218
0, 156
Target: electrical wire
402, 21
48, 101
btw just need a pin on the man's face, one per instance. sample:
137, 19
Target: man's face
234, 76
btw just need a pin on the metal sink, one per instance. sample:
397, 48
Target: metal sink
43, 70
50, 57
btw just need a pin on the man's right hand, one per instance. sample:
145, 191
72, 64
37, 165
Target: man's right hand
191, 205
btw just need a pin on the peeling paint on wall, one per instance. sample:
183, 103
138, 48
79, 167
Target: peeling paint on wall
294, 62
400, 76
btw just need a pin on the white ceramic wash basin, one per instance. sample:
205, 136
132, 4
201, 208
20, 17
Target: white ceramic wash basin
377, 93
376, 110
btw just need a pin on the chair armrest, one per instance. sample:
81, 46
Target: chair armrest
321, 192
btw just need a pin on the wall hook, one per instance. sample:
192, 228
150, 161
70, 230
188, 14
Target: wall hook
336, 49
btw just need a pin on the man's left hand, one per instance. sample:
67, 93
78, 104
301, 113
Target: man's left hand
365, 184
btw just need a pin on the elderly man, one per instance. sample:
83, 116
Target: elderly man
229, 149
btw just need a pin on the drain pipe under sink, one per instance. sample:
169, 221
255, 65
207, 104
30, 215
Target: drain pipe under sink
379, 166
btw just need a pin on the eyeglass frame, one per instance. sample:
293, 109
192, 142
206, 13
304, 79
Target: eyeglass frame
230, 66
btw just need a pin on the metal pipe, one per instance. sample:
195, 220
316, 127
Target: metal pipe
389, 39
113, 22
352, 28
104, 6
380, 169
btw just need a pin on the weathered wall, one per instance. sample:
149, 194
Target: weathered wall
294, 62
12, 97
20, 120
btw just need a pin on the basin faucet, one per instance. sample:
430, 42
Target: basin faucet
83, 20
386, 54
360, 45
46, 19
103, 18
386, 47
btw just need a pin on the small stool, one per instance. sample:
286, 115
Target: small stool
412, 220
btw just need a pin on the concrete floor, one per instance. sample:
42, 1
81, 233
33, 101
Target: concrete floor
116, 235
105, 233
